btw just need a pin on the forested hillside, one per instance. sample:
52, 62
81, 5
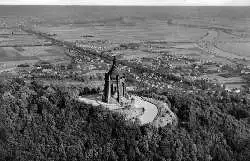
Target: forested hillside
44, 122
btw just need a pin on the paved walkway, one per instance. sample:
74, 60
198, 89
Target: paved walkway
150, 110
99, 103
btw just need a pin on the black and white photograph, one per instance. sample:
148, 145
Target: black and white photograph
124, 80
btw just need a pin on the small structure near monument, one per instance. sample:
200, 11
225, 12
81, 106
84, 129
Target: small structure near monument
114, 87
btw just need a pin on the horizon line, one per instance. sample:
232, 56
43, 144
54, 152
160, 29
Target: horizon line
125, 5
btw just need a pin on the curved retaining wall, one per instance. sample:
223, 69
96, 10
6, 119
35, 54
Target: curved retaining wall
164, 116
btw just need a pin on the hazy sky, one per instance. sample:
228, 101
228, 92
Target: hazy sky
127, 2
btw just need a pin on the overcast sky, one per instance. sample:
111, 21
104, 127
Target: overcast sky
127, 2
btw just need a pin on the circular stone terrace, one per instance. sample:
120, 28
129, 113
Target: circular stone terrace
142, 110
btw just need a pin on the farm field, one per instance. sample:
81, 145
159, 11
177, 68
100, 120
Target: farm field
157, 35
9, 64
231, 37
30, 52
123, 33
231, 82
17, 45
8, 52
14, 37
134, 54
241, 49
183, 38
11, 54
10, 57
43, 51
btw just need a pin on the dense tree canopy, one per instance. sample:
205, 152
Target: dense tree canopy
45, 122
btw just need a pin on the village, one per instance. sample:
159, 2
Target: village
147, 65
183, 68
124, 83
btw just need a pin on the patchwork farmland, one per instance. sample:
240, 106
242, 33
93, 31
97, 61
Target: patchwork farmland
18, 47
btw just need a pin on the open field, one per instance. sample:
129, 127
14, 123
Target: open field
176, 35
17, 45
134, 54
8, 52
222, 36
8, 64
241, 49
179, 62
209, 44
123, 33
225, 39
11, 54
230, 83
42, 51
31, 52
17, 37
22, 40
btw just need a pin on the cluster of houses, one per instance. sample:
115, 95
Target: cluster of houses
97, 45
78, 69
193, 71
245, 70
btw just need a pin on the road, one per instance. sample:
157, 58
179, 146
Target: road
209, 44
93, 53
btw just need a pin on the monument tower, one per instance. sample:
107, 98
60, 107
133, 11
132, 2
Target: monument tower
114, 87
